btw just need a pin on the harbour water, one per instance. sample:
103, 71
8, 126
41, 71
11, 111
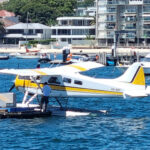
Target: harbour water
125, 126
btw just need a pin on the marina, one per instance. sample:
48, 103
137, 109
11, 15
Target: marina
127, 119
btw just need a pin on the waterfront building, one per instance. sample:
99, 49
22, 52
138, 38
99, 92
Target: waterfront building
130, 17
8, 18
73, 28
25, 32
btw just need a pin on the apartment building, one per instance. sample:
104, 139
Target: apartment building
130, 18
73, 28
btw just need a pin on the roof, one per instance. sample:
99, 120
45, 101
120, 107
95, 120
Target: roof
28, 26
5, 13
7, 22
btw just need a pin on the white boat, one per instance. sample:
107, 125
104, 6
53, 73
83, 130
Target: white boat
27, 55
145, 62
3, 57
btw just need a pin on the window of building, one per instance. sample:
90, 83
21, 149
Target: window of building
64, 22
146, 8
92, 32
15, 31
64, 32
54, 32
77, 23
30, 32
39, 31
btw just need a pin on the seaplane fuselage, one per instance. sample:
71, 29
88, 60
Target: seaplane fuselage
66, 81
76, 85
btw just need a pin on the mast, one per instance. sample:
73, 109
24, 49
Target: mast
27, 28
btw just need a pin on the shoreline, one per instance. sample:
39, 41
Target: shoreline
127, 51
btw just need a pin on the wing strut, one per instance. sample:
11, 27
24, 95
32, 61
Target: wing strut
33, 78
28, 101
60, 104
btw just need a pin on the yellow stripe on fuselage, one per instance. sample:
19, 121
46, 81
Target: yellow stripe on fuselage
40, 72
28, 83
78, 67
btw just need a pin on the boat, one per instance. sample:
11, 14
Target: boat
44, 58
146, 64
144, 61
3, 57
27, 55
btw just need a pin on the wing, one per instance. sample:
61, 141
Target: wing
72, 68
79, 67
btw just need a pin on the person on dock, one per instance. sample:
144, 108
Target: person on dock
46, 93
38, 65
55, 55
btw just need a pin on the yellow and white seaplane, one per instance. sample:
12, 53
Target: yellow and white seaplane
66, 81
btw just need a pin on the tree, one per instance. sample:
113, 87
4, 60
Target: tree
2, 29
41, 11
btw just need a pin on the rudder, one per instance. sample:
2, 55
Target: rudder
134, 75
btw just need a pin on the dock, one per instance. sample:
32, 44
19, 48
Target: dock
24, 115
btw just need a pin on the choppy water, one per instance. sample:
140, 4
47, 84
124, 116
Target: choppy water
125, 126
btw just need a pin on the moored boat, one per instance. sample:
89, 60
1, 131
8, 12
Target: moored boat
27, 55
3, 57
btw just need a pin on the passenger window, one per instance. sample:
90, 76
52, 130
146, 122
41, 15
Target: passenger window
78, 82
54, 80
67, 80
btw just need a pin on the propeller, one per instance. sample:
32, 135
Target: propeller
12, 87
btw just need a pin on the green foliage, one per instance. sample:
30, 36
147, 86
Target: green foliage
41, 11
33, 42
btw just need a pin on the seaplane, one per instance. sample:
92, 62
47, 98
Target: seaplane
66, 81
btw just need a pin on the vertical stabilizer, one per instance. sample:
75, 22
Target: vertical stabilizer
134, 75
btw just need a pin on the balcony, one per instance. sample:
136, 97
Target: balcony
146, 2
110, 20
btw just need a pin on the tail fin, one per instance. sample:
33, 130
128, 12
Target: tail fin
134, 75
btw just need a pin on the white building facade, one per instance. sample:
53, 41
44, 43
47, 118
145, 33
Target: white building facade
73, 28
26, 31
130, 16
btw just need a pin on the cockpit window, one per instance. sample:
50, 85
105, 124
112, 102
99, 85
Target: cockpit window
54, 80
78, 82
38, 78
67, 80
24, 77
